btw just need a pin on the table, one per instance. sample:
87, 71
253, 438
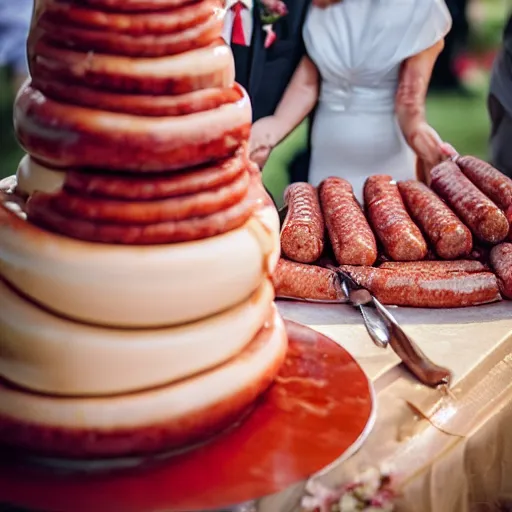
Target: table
449, 453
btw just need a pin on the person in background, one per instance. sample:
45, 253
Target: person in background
367, 70
266, 40
15, 18
500, 105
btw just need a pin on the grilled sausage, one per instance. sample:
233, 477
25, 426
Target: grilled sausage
501, 261
414, 288
479, 213
449, 236
302, 234
351, 237
401, 238
491, 182
468, 266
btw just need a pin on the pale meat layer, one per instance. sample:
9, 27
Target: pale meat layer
158, 406
47, 353
32, 177
127, 286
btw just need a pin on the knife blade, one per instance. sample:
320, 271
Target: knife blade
282, 212
385, 330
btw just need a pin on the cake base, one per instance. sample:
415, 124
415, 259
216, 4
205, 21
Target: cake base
168, 417
319, 409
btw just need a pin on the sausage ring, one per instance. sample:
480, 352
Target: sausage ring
43, 211
135, 5
174, 20
139, 104
144, 188
63, 135
104, 210
202, 34
204, 68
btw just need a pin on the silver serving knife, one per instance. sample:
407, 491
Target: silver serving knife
385, 330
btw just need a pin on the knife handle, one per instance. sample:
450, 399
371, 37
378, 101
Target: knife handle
411, 355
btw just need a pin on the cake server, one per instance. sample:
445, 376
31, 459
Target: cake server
385, 330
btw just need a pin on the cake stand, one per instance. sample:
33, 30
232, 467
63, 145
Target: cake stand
319, 410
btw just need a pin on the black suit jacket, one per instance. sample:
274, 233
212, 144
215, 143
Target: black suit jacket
501, 78
271, 69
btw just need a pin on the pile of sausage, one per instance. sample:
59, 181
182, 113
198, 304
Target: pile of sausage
449, 245
136, 103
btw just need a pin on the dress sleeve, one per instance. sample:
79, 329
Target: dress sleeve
429, 22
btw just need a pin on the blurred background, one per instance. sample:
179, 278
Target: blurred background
457, 103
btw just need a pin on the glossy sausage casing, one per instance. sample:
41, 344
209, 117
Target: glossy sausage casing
306, 282
501, 261
351, 237
468, 266
450, 237
401, 238
302, 234
491, 182
61, 135
414, 288
479, 213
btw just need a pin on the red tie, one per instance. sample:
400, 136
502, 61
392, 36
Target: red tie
237, 34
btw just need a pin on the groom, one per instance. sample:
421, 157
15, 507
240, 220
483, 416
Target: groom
266, 54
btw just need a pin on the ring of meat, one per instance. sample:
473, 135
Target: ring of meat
143, 188
202, 68
202, 34
61, 135
177, 19
163, 418
105, 210
139, 104
42, 211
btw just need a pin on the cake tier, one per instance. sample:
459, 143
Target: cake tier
153, 21
141, 104
130, 286
64, 135
203, 68
33, 177
139, 35
49, 354
148, 422
133, 5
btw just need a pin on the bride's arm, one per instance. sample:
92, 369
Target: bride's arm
411, 95
299, 98
297, 102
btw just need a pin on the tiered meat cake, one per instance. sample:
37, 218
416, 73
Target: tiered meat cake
136, 241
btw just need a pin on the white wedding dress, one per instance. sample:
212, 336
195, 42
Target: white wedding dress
358, 47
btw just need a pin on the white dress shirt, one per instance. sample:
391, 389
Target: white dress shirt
246, 20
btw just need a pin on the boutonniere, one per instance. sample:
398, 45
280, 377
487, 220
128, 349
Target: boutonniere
270, 12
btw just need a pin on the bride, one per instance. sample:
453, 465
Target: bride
367, 69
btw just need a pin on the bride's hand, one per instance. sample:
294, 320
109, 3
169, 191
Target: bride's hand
264, 137
427, 144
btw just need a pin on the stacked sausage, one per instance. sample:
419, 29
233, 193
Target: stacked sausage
466, 213
136, 241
